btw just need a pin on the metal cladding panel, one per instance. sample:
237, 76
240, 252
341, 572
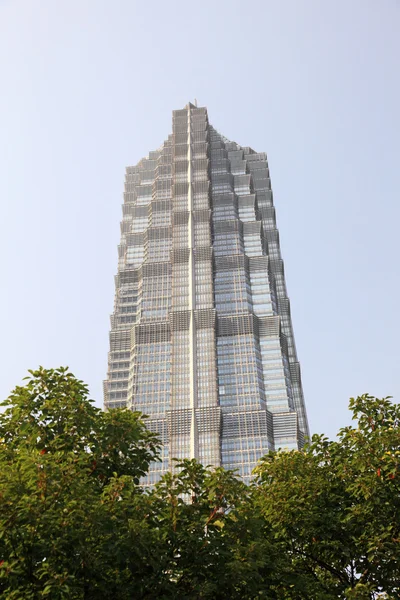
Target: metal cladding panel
231, 263
160, 269
209, 419
180, 320
150, 333
120, 340
205, 318
203, 254
180, 255
269, 326
249, 423
228, 227
179, 422
237, 325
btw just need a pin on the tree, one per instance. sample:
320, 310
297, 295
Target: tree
75, 523
209, 529
320, 523
63, 462
335, 506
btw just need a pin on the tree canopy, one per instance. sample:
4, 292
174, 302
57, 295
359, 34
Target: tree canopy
75, 522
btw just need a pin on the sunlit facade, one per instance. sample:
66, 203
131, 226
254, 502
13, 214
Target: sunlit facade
201, 336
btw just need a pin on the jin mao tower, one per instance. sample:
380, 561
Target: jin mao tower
201, 335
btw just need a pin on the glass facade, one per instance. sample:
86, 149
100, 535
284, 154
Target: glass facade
201, 336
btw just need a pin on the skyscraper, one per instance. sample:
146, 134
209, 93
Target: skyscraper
201, 335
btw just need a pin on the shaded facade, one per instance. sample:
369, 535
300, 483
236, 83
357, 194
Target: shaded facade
201, 336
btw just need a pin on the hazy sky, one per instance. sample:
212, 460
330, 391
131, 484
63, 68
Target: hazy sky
88, 87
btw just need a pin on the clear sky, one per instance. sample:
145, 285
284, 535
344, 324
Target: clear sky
88, 87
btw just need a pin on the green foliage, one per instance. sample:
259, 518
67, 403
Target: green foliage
321, 523
205, 535
62, 461
336, 505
